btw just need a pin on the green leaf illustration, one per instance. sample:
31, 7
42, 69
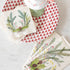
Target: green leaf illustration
11, 15
52, 41
22, 16
35, 61
32, 69
27, 19
58, 50
58, 45
21, 13
37, 13
41, 66
12, 20
17, 30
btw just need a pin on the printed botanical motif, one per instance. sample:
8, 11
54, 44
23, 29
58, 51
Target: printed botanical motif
37, 13
45, 56
24, 22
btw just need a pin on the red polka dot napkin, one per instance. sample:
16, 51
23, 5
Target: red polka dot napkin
46, 24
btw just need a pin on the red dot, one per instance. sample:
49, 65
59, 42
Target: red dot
10, 5
5, 9
18, 1
32, 40
45, 36
53, 3
54, 6
8, 2
41, 37
47, 5
11, 1
24, 38
48, 8
52, 29
14, 1
30, 35
50, 4
38, 38
46, 31
43, 19
3, 6
29, 41
45, 16
8, 8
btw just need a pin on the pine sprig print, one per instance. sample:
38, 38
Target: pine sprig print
24, 24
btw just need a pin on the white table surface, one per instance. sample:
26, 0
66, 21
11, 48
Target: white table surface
13, 56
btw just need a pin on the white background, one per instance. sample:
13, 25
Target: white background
13, 56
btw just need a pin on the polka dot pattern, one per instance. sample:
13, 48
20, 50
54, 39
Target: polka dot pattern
46, 24
11, 4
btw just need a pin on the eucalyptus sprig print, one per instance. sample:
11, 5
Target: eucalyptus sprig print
10, 21
25, 24
24, 17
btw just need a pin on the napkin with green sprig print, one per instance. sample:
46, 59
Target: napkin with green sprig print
18, 22
52, 53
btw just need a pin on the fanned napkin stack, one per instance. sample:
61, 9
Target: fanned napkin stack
18, 22
52, 53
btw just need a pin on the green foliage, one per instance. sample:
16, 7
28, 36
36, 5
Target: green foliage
54, 54
41, 66
11, 19
52, 41
37, 13
18, 29
24, 17
57, 45
35, 61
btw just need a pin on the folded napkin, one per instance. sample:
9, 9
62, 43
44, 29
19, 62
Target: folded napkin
18, 22
52, 53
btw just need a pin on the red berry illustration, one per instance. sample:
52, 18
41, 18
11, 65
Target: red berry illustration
36, 69
34, 65
40, 62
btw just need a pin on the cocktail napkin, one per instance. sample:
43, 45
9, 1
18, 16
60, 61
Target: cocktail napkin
18, 22
52, 53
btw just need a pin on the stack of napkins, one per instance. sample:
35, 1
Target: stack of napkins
18, 22
52, 53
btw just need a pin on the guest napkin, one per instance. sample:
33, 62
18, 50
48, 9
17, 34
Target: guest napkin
18, 22
52, 53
